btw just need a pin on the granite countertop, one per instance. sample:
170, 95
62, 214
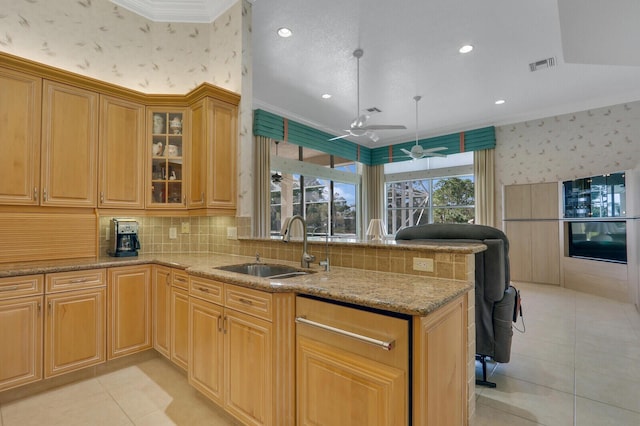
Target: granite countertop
402, 293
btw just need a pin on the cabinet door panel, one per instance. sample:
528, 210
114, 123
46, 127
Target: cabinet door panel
130, 310
517, 201
69, 146
200, 137
222, 158
161, 309
519, 234
379, 389
544, 201
121, 153
545, 252
206, 355
180, 327
21, 337
249, 370
74, 331
20, 105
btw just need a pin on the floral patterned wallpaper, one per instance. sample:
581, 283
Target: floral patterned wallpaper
567, 146
96, 38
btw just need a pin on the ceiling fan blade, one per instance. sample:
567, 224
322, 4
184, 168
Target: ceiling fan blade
434, 154
384, 127
339, 137
406, 151
440, 148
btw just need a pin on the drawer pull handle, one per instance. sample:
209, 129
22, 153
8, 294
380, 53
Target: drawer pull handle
79, 280
387, 346
245, 301
180, 279
11, 288
204, 289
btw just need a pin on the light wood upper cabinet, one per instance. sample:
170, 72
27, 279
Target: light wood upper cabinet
129, 307
222, 174
121, 153
545, 201
200, 136
20, 117
517, 201
69, 146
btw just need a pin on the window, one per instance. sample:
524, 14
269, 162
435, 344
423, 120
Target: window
327, 186
426, 195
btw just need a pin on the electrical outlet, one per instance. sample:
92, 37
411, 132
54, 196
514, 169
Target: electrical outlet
185, 228
422, 264
173, 233
232, 233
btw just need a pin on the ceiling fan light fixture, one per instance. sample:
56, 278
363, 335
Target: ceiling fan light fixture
326, 96
500, 102
466, 48
284, 32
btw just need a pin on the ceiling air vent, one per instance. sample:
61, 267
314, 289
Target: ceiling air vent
373, 109
543, 63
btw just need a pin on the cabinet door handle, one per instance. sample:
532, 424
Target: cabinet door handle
102, 197
168, 279
49, 308
44, 195
387, 346
35, 193
224, 325
219, 322
245, 301
184, 200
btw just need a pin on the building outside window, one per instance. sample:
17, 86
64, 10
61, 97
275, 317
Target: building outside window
327, 186
429, 191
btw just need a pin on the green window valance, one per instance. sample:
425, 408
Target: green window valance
275, 127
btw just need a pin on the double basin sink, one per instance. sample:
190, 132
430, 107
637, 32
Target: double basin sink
266, 270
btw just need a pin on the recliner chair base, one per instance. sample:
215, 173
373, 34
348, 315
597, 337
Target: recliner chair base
484, 381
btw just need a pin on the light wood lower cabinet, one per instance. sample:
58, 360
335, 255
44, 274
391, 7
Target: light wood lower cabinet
341, 379
74, 330
20, 330
161, 307
170, 296
129, 306
242, 359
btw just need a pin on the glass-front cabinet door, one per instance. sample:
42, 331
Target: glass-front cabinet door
167, 145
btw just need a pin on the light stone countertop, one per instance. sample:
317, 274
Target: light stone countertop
402, 293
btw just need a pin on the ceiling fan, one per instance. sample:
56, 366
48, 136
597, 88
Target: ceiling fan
417, 152
359, 126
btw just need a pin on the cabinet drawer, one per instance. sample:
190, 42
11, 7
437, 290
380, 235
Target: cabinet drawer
253, 302
206, 289
64, 281
25, 285
179, 278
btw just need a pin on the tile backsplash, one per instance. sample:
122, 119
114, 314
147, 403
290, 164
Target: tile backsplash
206, 234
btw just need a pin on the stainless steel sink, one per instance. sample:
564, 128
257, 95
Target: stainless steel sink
265, 270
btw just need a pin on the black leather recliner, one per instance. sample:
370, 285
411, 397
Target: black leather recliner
495, 298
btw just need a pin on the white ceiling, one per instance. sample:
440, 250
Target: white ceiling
411, 48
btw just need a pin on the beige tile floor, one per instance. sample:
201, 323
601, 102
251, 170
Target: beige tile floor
577, 364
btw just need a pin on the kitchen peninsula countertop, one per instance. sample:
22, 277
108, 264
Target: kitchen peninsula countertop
402, 293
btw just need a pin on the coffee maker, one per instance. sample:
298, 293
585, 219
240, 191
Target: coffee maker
124, 238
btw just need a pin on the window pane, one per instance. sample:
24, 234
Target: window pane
344, 209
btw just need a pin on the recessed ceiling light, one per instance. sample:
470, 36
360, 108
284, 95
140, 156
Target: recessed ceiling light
500, 101
284, 32
326, 96
466, 48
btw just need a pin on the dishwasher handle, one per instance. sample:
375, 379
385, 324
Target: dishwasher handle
387, 346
